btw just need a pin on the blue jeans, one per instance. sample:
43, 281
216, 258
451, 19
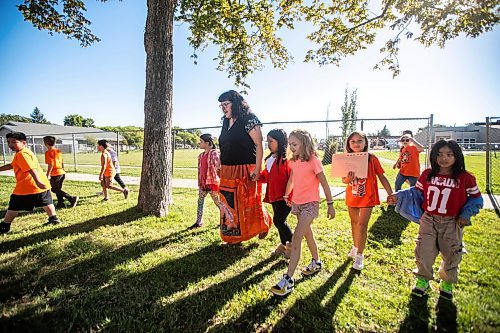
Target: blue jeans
400, 179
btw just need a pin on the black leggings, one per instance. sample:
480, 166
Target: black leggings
119, 180
281, 211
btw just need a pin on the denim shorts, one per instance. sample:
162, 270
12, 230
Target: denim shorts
308, 209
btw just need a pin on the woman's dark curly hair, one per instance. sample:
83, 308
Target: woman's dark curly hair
239, 106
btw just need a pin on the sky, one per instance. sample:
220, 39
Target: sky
458, 84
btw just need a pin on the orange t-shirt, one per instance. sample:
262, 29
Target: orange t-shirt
410, 165
24, 161
363, 192
54, 157
109, 168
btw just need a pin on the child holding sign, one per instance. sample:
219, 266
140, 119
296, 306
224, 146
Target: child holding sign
362, 195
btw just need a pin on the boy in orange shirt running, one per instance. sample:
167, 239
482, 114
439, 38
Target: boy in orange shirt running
55, 170
32, 186
107, 171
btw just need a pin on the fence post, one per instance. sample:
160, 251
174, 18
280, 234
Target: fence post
430, 124
173, 152
33, 143
362, 124
488, 162
117, 143
3, 151
74, 152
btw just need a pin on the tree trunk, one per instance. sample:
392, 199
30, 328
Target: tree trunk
155, 193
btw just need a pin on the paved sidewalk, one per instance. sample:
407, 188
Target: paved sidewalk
337, 192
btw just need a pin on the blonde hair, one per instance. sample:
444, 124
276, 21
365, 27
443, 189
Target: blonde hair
306, 145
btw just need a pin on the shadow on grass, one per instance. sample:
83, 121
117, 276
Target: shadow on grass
122, 217
310, 309
388, 228
145, 300
418, 316
88, 273
446, 316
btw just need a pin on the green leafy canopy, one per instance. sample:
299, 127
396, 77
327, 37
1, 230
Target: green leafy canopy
247, 32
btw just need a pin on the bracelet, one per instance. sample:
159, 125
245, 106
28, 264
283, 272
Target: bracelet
285, 196
329, 202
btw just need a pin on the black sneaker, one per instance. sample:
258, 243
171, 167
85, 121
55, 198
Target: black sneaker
196, 225
60, 206
53, 221
73, 201
4, 227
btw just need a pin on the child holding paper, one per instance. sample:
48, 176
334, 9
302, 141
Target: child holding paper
362, 195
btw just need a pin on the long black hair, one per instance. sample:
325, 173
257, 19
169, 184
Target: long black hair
239, 106
459, 165
280, 136
208, 138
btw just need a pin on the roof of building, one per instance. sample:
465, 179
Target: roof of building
60, 132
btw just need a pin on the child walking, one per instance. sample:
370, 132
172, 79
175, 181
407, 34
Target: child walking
306, 175
116, 164
208, 177
408, 161
107, 171
450, 198
362, 195
55, 170
32, 186
276, 174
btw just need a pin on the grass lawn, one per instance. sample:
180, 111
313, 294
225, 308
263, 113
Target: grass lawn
110, 268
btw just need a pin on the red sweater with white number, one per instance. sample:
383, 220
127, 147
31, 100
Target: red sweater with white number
444, 195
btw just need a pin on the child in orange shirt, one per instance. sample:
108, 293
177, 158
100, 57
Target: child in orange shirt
408, 162
55, 170
107, 171
32, 186
362, 195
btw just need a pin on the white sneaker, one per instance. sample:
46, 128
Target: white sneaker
353, 252
358, 262
313, 267
284, 287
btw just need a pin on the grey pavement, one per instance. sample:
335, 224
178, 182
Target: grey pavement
337, 192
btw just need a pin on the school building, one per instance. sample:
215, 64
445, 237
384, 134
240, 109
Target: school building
471, 136
69, 139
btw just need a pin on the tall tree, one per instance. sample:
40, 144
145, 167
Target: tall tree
78, 120
349, 113
245, 32
384, 132
73, 120
38, 117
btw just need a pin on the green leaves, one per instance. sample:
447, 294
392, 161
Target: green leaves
247, 32
44, 15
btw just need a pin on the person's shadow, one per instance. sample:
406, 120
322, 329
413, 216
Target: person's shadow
417, 319
388, 228
446, 316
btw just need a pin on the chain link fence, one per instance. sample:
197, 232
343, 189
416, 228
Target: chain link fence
384, 135
492, 148
480, 143
80, 152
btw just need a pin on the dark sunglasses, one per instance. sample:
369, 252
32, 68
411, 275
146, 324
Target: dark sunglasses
405, 140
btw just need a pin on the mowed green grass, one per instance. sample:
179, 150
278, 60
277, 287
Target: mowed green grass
110, 268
